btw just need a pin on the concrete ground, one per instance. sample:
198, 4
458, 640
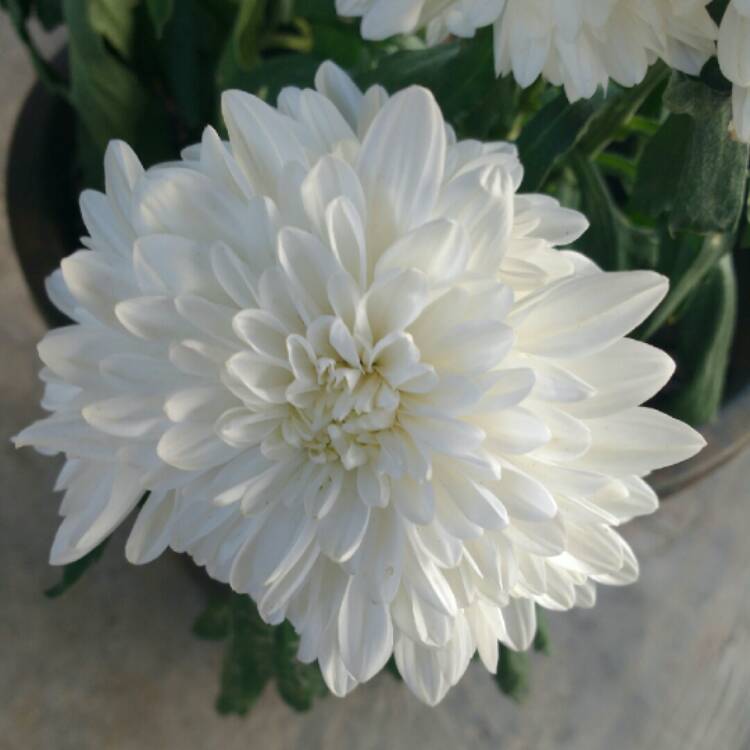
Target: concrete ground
662, 665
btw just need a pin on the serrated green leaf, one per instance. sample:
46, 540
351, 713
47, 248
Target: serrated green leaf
512, 675
248, 660
692, 170
72, 572
298, 684
258, 653
214, 623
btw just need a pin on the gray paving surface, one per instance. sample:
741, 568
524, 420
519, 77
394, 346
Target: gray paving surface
664, 664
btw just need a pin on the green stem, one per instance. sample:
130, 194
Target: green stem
618, 110
714, 246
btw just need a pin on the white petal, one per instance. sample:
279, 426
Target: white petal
193, 446
386, 19
150, 534
401, 163
622, 376
129, 416
329, 179
585, 315
421, 670
440, 249
638, 441
341, 533
519, 618
333, 82
263, 140
365, 633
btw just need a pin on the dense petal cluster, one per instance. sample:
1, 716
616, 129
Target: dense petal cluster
358, 381
734, 59
578, 44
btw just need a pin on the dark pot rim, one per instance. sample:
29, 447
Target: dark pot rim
40, 206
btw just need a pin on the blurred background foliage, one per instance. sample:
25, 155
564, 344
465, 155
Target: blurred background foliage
654, 167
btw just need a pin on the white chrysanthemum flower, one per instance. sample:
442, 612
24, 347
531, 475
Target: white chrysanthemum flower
358, 380
734, 59
579, 44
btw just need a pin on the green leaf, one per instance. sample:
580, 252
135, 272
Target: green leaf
247, 30
618, 166
393, 670
72, 572
317, 10
298, 684
248, 660
704, 340
686, 260
280, 12
160, 11
214, 623
342, 45
541, 639
619, 107
551, 134
113, 19
241, 54
693, 170
257, 653
187, 64
612, 240
717, 9
268, 78
601, 242
660, 166
481, 106
109, 99
512, 675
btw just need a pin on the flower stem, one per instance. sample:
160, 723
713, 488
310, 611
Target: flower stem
618, 110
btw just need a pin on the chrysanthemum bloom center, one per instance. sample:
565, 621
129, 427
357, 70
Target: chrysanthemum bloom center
344, 402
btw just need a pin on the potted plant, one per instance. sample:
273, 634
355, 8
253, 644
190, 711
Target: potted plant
655, 166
